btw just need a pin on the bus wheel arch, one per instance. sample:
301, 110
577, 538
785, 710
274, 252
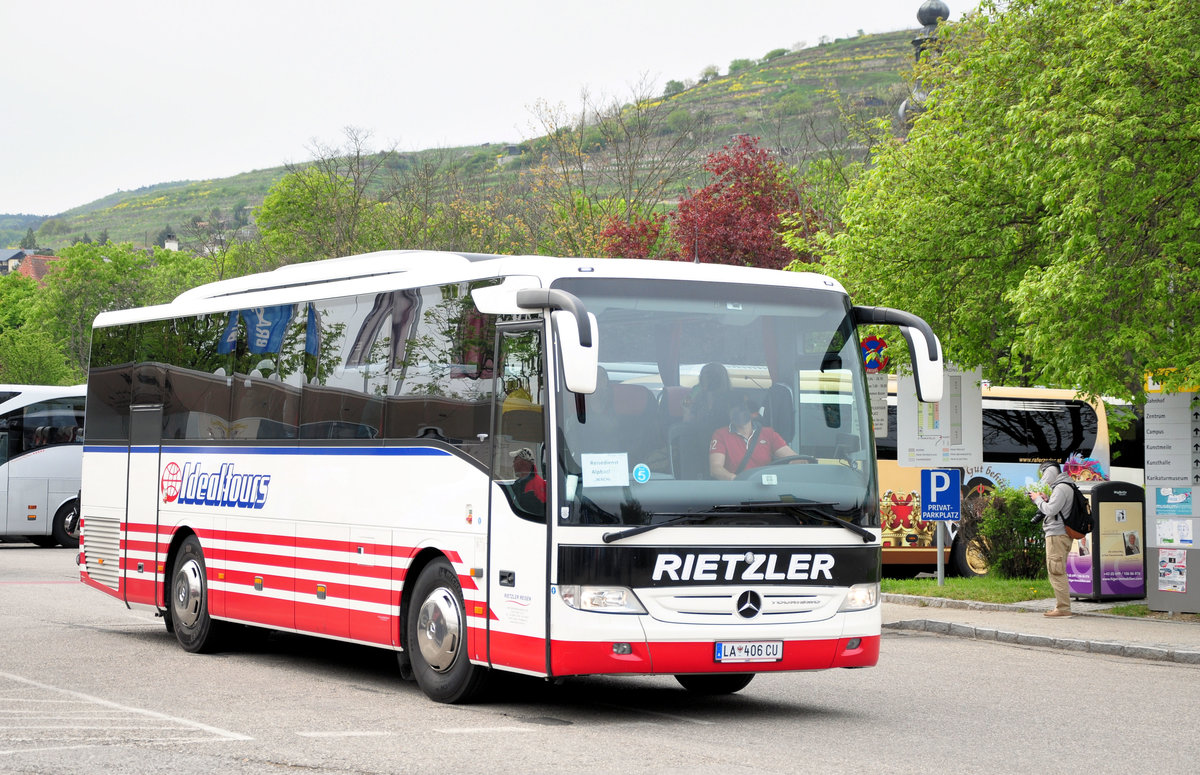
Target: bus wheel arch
188, 598
435, 628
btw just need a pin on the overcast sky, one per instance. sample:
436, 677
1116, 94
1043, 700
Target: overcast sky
97, 97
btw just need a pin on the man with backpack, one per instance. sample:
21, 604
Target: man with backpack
1058, 543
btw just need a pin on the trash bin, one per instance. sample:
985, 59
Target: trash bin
1109, 564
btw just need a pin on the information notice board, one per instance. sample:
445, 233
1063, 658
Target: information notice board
1172, 432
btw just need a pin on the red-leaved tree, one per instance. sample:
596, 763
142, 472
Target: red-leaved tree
735, 219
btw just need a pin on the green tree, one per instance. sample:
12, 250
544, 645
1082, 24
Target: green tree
329, 207
29, 241
1042, 212
17, 293
740, 65
672, 88
29, 356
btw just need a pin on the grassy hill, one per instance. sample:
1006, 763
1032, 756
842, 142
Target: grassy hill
792, 101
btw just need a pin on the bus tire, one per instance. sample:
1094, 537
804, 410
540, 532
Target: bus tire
436, 637
967, 558
195, 630
62, 535
721, 683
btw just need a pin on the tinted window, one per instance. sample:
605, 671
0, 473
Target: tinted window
1016, 431
409, 364
43, 424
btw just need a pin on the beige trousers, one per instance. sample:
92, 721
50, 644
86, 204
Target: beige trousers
1057, 548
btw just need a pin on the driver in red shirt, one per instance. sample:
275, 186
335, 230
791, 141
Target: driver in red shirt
730, 444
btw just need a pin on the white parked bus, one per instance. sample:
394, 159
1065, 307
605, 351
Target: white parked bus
483, 462
41, 447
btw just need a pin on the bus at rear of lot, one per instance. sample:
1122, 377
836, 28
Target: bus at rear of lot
1022, 427
41, 447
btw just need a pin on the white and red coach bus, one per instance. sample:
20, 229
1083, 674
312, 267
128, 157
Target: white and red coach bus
487, 462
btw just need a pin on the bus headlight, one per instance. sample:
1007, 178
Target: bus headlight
609, 600
860, 597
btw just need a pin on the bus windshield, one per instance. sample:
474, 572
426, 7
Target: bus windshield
718, 405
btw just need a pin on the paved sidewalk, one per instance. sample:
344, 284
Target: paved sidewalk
1089, 630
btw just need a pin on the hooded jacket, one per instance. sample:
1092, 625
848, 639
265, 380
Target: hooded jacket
1056, 505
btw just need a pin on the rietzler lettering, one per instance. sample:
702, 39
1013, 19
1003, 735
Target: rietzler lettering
748, 566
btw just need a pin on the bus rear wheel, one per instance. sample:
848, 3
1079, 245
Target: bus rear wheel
722, 683
436, 637
195, 630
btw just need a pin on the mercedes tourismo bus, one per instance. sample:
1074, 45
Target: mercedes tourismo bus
483, 462
41, 447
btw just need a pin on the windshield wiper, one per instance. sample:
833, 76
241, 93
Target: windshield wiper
676, 519
807, 509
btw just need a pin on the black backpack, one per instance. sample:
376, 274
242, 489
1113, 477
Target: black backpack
1078, 517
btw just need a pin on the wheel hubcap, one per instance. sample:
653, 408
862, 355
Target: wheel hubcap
439, 630
188, 599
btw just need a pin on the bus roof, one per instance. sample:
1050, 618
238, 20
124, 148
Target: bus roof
391, 269
30, 394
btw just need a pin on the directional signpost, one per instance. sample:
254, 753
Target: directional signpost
941, 501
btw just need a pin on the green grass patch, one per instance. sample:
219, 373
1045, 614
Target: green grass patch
985, 589
1142, 611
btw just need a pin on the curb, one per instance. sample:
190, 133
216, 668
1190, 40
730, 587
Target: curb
945, 602
954, 629
1161, 654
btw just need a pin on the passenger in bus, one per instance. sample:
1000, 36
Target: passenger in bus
529, 489
743, 444
711, 399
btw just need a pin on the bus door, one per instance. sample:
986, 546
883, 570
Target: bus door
23, 478
8, 435
141, 506
517, 533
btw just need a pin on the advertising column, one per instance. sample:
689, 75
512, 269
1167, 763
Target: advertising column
1108, 564
1172, 478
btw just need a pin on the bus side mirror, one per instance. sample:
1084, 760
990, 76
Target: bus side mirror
927, 370
580, 363
923, 347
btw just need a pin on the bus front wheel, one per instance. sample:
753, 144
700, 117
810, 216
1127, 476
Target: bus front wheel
66, 524
195, 630
722, 683
436, 637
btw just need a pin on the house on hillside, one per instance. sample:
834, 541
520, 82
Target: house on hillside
10, 259
33, 266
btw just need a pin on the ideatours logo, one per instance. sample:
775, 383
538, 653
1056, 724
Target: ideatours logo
190, 485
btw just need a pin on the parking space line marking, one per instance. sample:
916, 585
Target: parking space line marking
222, 733
484, 730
